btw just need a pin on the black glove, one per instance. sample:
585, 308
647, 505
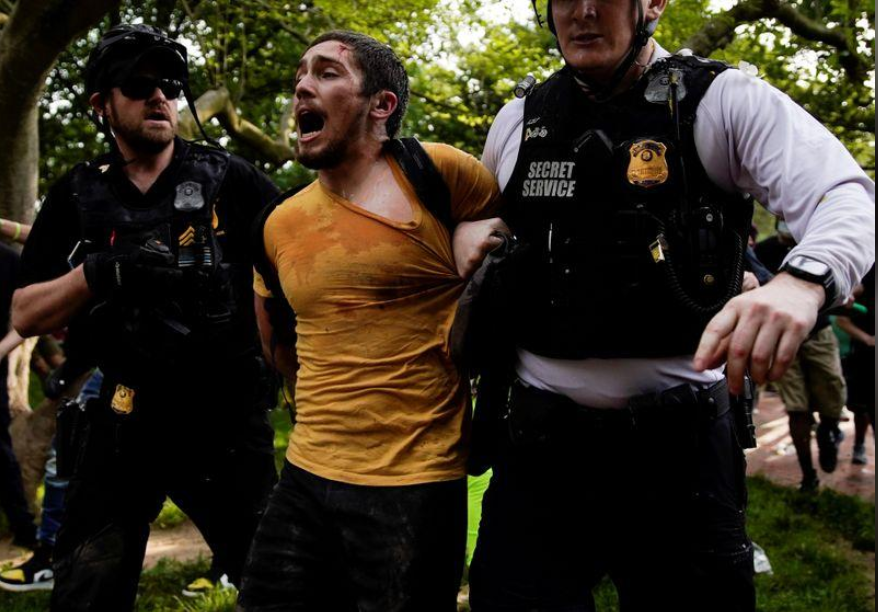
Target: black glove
146, 271
59, 380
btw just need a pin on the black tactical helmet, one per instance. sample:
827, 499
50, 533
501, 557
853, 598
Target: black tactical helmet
120, 51
123, 47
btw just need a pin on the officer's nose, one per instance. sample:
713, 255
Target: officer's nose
586, 9
157, 96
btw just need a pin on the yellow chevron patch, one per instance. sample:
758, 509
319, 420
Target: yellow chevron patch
187, 238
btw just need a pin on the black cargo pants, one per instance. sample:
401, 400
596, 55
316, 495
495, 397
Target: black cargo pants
209, 450
652, 497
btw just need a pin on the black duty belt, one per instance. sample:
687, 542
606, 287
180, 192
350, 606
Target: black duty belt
532, 406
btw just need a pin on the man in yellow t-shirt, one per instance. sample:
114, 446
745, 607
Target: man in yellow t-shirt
370, 512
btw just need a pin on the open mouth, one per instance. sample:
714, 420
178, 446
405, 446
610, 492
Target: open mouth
310, 125
158, 116
585, 39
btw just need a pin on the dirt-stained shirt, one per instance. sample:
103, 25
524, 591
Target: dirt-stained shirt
378, 400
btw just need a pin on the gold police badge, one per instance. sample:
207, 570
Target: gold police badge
123, 400
648, 166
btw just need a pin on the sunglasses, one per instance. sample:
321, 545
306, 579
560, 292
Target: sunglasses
142, 88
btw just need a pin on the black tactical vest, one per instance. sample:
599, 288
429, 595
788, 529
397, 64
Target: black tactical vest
632, 249
158, 335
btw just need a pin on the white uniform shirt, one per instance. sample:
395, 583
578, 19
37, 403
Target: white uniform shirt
751, 138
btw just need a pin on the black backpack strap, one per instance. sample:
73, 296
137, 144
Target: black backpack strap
422, 173
283, 318
263, 265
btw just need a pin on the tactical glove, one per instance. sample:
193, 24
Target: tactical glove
144, 272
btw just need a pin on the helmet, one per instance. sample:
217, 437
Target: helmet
123, 47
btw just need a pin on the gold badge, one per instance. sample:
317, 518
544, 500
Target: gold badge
648, 166
123, 400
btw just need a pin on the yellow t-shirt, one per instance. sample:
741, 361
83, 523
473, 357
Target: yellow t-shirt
378, 399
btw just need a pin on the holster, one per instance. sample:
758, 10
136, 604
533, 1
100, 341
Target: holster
69, 435
742, 406
491, 393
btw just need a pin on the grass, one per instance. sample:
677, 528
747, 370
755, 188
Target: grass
822, 548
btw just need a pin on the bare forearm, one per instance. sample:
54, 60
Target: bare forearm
853, 331
9, 343
42, 308
13, 230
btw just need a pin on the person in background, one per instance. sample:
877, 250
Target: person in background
814, 382
860, 364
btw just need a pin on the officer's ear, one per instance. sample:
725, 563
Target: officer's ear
97, 101
653, 9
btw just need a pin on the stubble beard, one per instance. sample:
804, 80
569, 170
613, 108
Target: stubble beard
330, 157
139, 137
336, 150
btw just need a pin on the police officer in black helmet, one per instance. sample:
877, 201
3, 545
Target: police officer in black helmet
627, 177
144, 251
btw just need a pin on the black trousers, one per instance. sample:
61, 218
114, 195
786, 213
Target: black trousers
326, 546
12, 498
654, 500
212, 454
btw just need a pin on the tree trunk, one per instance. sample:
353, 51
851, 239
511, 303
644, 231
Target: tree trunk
33, 37
19, 143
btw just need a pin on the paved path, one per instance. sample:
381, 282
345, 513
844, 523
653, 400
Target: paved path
776, 457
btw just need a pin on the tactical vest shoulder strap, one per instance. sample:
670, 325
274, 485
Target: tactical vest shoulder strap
422, 173
206, 166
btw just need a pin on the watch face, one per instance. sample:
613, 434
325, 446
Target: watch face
811, 266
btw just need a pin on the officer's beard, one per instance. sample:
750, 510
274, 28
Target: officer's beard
139, 138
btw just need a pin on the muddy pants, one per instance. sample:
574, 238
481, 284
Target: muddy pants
329, 546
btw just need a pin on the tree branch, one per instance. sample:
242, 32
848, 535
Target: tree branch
719, 31
217, 103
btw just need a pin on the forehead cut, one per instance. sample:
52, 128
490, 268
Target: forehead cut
342, 50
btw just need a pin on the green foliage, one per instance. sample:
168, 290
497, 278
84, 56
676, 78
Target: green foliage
170, 516
463, 65
282, 424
